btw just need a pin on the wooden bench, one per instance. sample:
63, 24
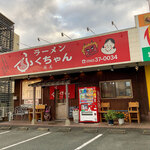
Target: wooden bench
39, 113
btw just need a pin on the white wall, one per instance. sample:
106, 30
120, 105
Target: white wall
134, 45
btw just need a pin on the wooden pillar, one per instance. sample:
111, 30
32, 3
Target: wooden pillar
42, 95
67, 102
67, 107
34, 98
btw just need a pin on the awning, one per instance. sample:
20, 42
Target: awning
50, 83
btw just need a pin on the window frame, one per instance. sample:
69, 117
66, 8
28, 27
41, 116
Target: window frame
118, 97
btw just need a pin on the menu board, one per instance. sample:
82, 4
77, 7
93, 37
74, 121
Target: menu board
71, 111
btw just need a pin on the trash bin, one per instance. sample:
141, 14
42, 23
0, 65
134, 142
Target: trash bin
76, 116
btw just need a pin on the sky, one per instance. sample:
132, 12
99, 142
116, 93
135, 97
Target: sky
47, 19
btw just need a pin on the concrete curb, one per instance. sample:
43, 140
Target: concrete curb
22, 128
146, 132
90, 130
51, 123
43, 129
64, 130
5, 128
117, 131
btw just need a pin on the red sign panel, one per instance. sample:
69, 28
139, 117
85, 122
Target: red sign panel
99, 50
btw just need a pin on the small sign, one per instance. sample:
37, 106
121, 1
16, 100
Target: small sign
146, 53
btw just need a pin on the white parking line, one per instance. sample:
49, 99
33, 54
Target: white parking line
24, 141
88, 142
4, 132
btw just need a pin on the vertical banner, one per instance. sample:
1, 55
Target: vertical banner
143, 24
62, 91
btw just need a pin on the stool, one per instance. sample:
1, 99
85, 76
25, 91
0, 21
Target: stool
133, 110
103, 110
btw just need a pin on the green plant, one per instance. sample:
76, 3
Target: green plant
120, 115
111, 115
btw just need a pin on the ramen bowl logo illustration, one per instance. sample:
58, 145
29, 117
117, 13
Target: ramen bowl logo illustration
90, 49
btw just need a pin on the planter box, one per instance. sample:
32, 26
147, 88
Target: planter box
75, 116
110, 122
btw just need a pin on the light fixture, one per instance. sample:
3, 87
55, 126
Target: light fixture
66, 76
137, 67
99, 72
51, 77
28, 77
113, 24
23, 44
63, 34
82, 75
39, 39
112, 68
88, 29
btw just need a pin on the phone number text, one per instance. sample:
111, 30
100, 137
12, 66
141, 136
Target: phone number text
99, 59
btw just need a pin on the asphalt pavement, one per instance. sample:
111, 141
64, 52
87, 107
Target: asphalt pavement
58, 138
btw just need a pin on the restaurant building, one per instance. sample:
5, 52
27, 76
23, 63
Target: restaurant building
116, 62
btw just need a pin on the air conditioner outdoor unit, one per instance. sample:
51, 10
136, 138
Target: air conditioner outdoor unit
3, 112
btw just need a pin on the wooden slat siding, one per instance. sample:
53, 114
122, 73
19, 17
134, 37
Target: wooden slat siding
143, 96
17, 93
138, 85
93, 79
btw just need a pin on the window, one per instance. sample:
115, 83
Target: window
27, 92
116, 89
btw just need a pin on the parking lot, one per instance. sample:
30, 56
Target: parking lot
74, 139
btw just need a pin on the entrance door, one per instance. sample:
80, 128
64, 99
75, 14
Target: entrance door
60, 105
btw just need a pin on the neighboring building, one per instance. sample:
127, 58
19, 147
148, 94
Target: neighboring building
16, 42
6, 34
8, 42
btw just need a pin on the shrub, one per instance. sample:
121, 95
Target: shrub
120, 115
111, 115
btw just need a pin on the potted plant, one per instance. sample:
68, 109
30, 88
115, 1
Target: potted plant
120, 117
110, 116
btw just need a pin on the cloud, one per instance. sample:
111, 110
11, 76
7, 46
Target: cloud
48, 18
